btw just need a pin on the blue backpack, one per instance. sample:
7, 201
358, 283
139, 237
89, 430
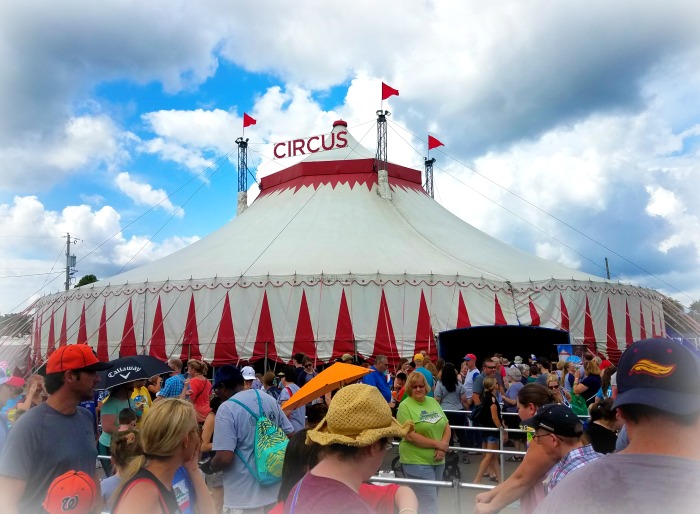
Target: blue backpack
269, 448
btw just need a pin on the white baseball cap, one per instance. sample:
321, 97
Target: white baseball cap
248, 373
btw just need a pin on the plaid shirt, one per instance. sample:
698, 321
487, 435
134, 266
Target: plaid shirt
172, 387
575, 459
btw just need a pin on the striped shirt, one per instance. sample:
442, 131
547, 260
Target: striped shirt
575, 459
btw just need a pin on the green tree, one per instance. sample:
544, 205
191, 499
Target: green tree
695, 310
15, 325
87, 279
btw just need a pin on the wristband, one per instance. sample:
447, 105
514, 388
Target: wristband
406, 509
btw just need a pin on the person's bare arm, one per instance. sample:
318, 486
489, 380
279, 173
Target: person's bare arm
208, 432
109, 423
142, 498
222, 460
535, 464
405, 498
204, 502
425, 442
11, 490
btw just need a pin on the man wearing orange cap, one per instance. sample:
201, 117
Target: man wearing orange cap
53, 438
418, 360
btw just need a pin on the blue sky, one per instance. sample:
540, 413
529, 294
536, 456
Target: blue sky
116, 119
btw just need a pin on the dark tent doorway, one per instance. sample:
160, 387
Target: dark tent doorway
509, 340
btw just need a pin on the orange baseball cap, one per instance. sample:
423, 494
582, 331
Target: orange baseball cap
73, 492
74, 357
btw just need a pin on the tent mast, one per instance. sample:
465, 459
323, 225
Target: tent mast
383, 189
428, 186
242, 175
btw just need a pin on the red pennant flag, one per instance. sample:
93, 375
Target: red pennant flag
388, 91
248, 120
433, 143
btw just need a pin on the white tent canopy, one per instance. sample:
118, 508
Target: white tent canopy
320, 263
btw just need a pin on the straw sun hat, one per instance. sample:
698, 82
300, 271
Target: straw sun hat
357, 416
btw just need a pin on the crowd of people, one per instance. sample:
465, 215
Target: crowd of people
185, 443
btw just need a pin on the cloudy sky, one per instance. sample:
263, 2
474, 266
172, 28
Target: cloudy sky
571, 129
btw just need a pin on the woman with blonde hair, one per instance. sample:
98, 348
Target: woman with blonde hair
490, 418
422, 452
589, 386
170, 439
197, 388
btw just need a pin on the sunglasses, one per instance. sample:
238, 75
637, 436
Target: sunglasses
490, 367
537, 437
554, 387
308, 365
418, 386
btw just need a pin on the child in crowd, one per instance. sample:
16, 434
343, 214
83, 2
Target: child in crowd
127, 420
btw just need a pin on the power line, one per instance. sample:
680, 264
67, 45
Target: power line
542, 210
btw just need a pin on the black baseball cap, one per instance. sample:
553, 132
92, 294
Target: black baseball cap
557, 419
660, 373
228, 376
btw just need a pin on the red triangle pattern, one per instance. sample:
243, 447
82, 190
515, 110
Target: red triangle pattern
51, 345
629, 338
642, 326
344, 336
564, 314
63, 336
462, 314
82, 331
37, 341
534, 315
653, 325
225, 348
588, 332
157, 347
127, 347
611, 338
190, 339
102, 349
500, 319
266, 335
385, 341
304, 341
425, 339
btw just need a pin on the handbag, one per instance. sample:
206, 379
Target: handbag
578, 405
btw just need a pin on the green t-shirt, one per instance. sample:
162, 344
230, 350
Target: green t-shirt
429, 420
112, 406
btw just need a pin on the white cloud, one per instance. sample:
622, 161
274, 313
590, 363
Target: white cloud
32, 247
85, 143
144, 194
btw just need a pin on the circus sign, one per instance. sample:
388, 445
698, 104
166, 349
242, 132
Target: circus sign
313, 144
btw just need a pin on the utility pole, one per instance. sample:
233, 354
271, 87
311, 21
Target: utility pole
70, 262
607, 268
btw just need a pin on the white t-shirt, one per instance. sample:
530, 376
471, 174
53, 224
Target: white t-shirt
469, 382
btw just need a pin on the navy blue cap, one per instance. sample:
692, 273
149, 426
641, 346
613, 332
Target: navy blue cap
660, 373
228, 375
557, 419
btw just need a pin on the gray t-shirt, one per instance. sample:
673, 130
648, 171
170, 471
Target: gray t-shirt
44, 444
628, 483
478, 384
298, 416
450, 400
234, 429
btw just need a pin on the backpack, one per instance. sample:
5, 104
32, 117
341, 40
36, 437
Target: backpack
269, 447
475, 416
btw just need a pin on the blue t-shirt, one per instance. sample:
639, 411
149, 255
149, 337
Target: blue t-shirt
184, 491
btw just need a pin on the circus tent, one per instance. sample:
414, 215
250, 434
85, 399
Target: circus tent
321, 263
